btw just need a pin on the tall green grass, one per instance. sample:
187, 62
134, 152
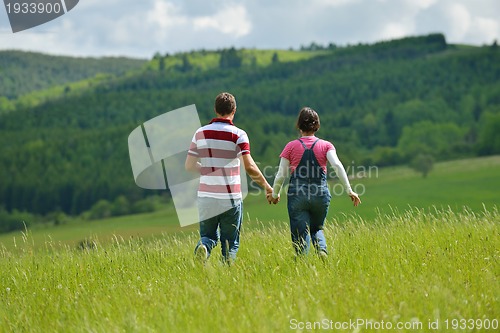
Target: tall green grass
416, 267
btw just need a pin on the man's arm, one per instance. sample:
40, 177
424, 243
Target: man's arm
192, 164
254, 172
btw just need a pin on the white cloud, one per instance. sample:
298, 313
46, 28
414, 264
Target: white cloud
421, 4
335, 3
230, 20
396, 30
460, 19
165, 15
140, 28
483, 28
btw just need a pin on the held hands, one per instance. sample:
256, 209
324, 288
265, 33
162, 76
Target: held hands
355, 198
270, 199
269, 196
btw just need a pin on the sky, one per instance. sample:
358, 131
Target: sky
140, 28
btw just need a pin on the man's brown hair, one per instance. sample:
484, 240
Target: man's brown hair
225, 103
308, 120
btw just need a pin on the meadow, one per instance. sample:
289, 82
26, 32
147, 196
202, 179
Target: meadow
403, 272
469, 183
412, 258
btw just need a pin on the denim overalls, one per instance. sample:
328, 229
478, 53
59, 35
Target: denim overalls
308, 202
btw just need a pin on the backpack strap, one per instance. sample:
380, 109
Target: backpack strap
312, 147
303, 144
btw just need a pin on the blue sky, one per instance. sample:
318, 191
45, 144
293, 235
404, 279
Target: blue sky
141, 28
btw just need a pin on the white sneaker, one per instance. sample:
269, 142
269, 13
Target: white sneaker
201, 253
323, 254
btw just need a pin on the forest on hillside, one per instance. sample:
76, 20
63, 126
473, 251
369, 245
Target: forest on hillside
24, 72
380, 104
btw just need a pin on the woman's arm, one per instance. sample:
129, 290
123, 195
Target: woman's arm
283, 172
340, 171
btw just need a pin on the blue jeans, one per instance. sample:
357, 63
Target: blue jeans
220, 219
307, 211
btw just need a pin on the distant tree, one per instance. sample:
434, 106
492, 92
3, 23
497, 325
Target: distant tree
369, 125
143, 206
438, 40
253, 62
275, 58
186, 64
229, 58
384, 156
489, 134
121, 206
5, 104
391, 128
422, 163
161, 64
156, 56
426, 137
14, 221
312, 47
103, 208
57, 217
332, 46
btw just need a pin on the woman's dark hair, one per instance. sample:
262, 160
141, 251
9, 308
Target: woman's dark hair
225, 103
308, 120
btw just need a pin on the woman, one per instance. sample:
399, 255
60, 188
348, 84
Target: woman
305, 160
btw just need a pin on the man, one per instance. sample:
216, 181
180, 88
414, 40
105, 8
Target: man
216, 152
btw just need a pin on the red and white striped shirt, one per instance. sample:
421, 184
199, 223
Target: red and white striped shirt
218, 146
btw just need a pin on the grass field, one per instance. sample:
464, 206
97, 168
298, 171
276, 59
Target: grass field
398, 272
412, 259
472, 183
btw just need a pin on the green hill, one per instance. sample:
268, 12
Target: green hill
380, 104
25, 72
